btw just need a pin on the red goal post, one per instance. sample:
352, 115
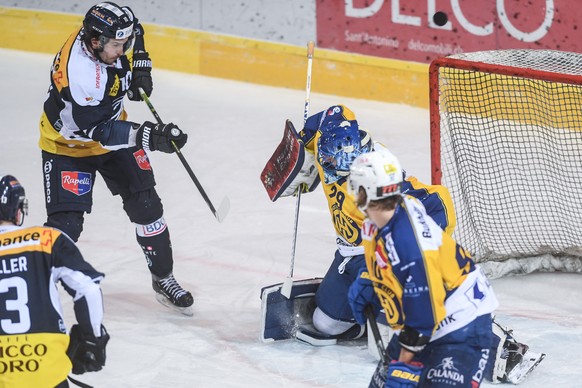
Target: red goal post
506, 139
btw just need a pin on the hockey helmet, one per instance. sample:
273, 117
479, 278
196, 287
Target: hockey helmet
12, 200
108, 20
339, 144
379, 173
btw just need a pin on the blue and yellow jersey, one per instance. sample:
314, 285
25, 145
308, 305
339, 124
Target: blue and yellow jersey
84, 103
424, 279
346, 217
436, 199
33, 335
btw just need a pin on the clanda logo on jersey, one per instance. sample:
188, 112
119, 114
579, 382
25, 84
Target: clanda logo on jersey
446, 373
76, 182
142, 159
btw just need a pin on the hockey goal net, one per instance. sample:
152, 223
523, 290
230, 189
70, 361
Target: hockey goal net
506, 139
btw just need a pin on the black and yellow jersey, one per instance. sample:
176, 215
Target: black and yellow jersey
33, 335
83, 112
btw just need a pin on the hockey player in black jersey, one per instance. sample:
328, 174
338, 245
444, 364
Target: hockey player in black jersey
33, 338
83, 130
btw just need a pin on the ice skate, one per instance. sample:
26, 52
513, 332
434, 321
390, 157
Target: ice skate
520, 361
172, 295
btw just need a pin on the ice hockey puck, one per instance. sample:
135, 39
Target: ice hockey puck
440, 18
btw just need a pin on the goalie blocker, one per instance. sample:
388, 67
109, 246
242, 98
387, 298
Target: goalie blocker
289, 167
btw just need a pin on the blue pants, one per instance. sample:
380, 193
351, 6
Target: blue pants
458, 359
332, 295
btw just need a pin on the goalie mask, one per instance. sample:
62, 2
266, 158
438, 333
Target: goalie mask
338, 146
13, 202
379, 173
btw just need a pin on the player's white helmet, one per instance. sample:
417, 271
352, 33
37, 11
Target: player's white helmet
379, 173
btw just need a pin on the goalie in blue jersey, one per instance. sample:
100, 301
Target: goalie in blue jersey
332, 140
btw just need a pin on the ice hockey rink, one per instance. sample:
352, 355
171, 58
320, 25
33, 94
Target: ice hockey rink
233, 129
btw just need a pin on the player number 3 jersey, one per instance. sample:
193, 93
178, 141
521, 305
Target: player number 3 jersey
33, 336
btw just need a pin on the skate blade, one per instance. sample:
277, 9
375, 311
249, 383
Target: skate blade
530, 362
188, 311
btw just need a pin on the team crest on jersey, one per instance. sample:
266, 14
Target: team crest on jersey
142, 159
76, 182
346, 226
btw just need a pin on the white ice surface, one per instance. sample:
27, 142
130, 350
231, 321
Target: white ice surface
233, 128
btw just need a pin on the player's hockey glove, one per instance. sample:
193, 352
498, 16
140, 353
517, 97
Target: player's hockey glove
159, 137
141, 76
403, 375
87, 352
360, 295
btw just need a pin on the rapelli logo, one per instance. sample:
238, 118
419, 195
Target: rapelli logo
142, 159
76, 182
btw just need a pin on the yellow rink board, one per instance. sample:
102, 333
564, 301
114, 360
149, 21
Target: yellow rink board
235, 58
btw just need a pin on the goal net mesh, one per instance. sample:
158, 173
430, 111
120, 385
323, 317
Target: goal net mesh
507, 142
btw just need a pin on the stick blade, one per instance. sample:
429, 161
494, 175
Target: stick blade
286, 287
223, 209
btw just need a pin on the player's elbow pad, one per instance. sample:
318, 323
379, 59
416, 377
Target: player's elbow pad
412, 340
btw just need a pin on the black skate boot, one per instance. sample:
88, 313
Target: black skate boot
520, 361
172, 295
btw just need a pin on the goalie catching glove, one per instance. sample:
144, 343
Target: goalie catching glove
87, 352
159, 137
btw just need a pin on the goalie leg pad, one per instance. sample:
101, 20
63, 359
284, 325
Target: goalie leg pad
327, 331
282, 316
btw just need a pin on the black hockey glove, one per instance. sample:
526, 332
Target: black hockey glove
141, 76
159, 137
87, 352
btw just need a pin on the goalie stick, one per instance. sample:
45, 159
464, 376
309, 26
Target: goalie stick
286, 288
222, 211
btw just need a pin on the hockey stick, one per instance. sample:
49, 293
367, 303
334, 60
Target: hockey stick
78, 383
369, 311
288, 284
222, 211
